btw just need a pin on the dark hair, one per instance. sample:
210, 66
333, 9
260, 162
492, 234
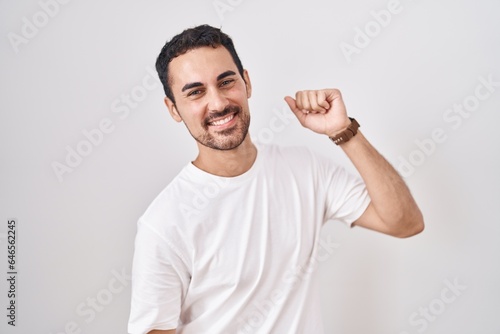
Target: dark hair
189, 39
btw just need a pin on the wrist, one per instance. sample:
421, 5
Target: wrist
347, 133
347, 123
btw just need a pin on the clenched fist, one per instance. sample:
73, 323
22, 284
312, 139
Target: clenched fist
322, 111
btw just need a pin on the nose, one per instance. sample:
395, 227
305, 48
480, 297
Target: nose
216, 100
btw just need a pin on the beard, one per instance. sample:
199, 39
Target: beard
227, 139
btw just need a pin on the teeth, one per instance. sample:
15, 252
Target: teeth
223, 121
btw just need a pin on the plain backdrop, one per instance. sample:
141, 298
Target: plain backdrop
417, 82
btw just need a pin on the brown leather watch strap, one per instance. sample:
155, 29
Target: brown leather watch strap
347, 134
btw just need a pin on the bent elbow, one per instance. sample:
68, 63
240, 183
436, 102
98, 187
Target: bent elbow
414, 226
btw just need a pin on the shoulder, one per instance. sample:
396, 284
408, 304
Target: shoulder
164, 208
163, 223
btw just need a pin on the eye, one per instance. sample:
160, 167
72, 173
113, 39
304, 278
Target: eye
226, 82
194, 92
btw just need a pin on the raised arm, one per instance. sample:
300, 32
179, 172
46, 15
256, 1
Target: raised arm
392, 210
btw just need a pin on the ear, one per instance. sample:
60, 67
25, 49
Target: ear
247, 83
173, 109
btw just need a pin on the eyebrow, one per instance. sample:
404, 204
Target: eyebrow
198, 84
225, 74
191, 85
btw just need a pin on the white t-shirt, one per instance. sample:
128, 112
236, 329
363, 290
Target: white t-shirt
237, 255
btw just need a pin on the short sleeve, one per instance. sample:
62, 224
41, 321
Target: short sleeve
159, 283
346, 195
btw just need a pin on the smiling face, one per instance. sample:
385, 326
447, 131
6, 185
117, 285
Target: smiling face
211, 97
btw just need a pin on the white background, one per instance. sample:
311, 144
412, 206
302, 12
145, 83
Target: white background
76, 231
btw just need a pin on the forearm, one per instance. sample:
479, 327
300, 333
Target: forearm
392, 210
391, 198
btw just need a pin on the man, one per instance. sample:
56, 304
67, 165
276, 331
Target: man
229, 244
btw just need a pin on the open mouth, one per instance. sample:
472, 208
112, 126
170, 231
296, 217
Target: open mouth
223, 121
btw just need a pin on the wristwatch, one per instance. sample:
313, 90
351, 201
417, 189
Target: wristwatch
347, 134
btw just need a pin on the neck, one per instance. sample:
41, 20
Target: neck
227, 163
